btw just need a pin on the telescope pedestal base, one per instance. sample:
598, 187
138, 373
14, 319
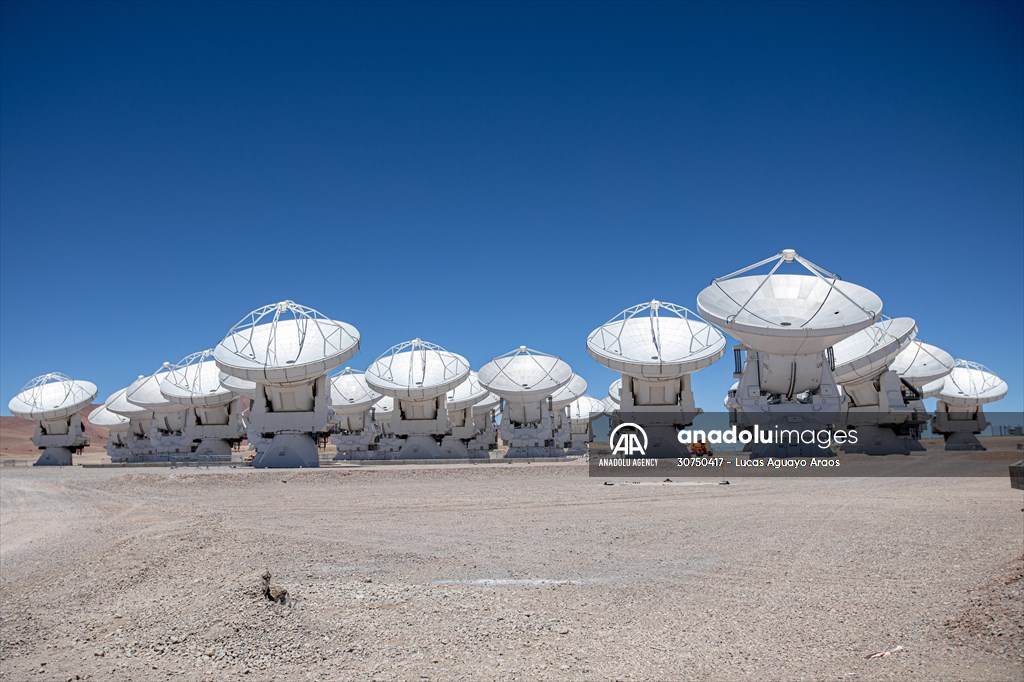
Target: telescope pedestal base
456, 448
407, 447
531, 440
520, 451
168, 446
480, 446
354, 445
355, 455
960, 426
214, 448
119, 454
963, 441
287, 450
53, 456
875, 439
914, 445
578, 444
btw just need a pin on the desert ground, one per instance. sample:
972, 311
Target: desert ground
518, 572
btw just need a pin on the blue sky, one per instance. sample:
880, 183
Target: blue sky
487, 175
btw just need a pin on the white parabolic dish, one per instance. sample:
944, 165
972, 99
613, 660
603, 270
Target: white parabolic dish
921, 363
145, 392
383, 408
106, 419
466, 394
489, 401
52, 396
869, 352
576, 387
971, 384
656, 340
285, 343
585, 408
933, 388
350, 394
238, 386
118, 404
525, 375
729, 401
788, 314
196, 381
416, 370
615, 391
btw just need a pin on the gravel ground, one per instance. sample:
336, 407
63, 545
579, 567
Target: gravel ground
522, 572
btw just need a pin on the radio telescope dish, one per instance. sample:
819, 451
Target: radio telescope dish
167, 430
195, 381
788, 314
869, 352
383, 408
418, 375
212, 410
145, 392
54, 401
933, 388
729, 401
576, 387
470, 409
615, 391
656, 340
118, 428
610, 406
560, 401
876, 404
531, 425
467, 394
585, 408
238, 386
106, 419
118, 403
582, 412
525, 375
52, 396
350, 394
354, 430
286, 350
135, 444
788, 323
959, 412
921, 363
416, 370
285, 343
489, 402
971, 384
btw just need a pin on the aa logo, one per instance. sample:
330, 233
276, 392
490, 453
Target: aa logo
628, 439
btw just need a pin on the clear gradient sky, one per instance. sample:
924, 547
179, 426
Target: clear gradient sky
485, 175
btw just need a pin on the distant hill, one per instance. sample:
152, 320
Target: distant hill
16, 434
